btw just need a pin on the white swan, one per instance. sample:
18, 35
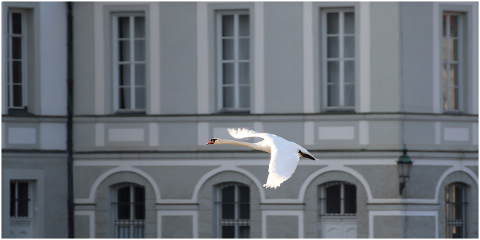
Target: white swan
284, 155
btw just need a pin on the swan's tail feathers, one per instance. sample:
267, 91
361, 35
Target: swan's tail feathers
241, 132
307, 155
274, 180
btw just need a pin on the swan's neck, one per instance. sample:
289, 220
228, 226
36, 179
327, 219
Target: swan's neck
246, 144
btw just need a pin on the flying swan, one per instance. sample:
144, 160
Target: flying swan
284, 155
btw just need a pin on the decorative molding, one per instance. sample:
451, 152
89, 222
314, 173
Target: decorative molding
194, 214
372, 214
299, 215
91, 220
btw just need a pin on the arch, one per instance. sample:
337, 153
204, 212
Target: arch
215, 171
451, 170
358, 176
101, 178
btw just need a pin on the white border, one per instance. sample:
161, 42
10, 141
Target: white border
298, 213
372, 214
194, 214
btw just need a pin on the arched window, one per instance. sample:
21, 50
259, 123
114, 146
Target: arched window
455, 210
128, 209
232, 210
338, 210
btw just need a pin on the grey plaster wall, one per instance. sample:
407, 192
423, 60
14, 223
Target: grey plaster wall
282, 227
423, 181
205, 201
84, 53
385, 57
176, 182
283, 57
85, 177
178, 61
382, 179
177, 227
417, 51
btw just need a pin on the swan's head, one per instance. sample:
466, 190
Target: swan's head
212, 141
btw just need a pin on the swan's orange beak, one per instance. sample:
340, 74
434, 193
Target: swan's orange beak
211, 142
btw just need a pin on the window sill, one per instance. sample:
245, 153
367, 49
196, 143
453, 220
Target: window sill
233, 112
19, 113
130, 113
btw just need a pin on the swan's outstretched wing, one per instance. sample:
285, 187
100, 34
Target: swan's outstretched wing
244, 133
283, 162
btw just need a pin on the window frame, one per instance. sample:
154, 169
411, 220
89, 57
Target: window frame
16, 200
236, 61
23, 60
341, 59
446, 89
451, 223
132, 62
131, 222
323, 199
237, 222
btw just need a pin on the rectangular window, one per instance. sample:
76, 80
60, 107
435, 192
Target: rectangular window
233, 210
16, 59
233, 61
20, 199
129, 48
452, 74
128, 207
338, 58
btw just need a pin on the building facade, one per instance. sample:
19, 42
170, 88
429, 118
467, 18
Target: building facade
34, 116
351, 82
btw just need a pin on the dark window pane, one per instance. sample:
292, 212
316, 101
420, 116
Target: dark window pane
16, 23
457, 232
139, 232
244, 50
350, 198
244, 202
333, 199
349, 95
244, 25
16, 48
453, 26
333, 50
228, 232
140, 98
444, 25
228, 73
227, 25
244, 232
12, 199
333, 71
349, 71
244, 96
139, 50
228, 202
139, 203
139, 27
140, 74
228, 97
23, 199
123, 201
244, 73
228, 52
333, 95
123, 231
124, 75
332, 23
123, 27
349, 23
349, 47
124, 98
123, 51
17, 71
17, 96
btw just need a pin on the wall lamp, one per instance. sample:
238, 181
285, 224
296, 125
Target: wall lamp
404, 166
